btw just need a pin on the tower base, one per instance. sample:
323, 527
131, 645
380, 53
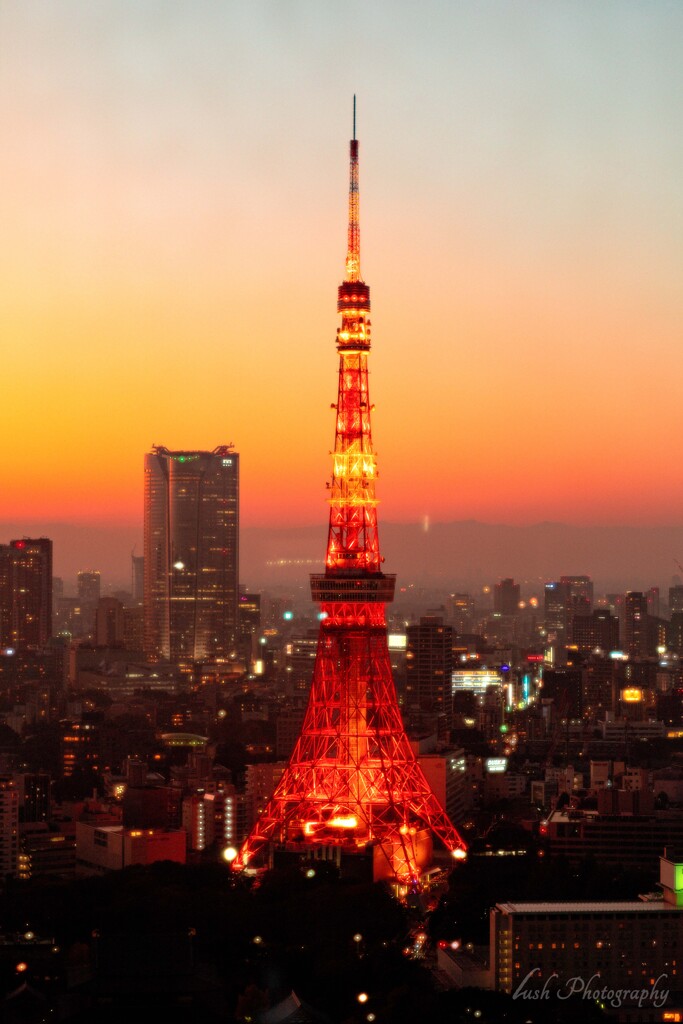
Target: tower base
376, 862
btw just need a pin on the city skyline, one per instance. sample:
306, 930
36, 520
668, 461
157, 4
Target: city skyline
171, 206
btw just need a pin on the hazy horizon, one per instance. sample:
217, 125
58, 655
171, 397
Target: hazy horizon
447, 555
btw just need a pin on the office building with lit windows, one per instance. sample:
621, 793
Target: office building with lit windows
26, 593
429, 665
9, 826
629, 945
191, 585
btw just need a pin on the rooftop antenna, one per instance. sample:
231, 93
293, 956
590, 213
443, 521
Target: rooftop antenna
354, 115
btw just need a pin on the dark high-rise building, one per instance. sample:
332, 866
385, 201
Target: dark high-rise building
5, 596
429, 665
138, 578
653, 601
109, 631
300, 654
598, 631
580, 593
249, 622
506, 597
676, 599
566, 598
89, 588
462, 612
34, 795
674, 636
133, 628
635, 624
80, 747
30, 591
191, 554
565, 687
558, 612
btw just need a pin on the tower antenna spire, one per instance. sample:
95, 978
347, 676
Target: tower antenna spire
353, 248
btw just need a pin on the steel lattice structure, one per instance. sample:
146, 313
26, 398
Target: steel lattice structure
353, 779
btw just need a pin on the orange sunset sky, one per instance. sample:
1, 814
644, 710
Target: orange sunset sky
173, 210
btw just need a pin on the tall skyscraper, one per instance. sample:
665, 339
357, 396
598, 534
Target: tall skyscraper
558, 611
580, 593
29, 570
89, 587
9, 827
353, 787
5, 596
565, 599
506, 597
635, 624
137, 578
191, 554
109, 623
461, 608
429, 665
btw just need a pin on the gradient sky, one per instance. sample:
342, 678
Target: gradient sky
172, 214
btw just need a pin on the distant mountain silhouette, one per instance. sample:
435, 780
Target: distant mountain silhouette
454, 555
468, 553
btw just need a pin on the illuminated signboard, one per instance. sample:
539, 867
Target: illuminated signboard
678, 883
474, 680
632, 695
397, 641
496, 764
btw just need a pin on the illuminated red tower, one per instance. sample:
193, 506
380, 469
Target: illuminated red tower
353, 780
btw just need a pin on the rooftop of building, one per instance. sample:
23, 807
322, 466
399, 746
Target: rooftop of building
613, 907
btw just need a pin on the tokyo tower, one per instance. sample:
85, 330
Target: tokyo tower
353, 784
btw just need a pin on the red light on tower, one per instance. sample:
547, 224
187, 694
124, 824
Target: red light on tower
353, 781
